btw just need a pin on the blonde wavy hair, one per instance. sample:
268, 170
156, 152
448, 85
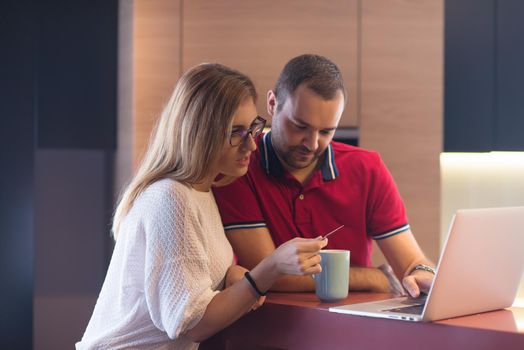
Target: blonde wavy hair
191, 130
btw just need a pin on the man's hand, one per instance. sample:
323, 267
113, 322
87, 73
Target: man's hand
403, 253
418, 281
394, 285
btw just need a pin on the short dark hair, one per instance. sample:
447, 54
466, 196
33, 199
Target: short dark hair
319, 73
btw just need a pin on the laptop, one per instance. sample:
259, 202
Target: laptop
479, 270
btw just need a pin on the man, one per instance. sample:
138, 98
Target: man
301, 183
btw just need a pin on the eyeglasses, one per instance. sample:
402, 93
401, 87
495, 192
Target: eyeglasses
256, 128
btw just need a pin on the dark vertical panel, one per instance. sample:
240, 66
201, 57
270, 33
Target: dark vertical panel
16, 173
71, 222
58, 83
509, 130
469, 75
72, 216
75, 140
77, 67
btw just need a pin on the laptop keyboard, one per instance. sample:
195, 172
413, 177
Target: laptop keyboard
410, 310
415, 306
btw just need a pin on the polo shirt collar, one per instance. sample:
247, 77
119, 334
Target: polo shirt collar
272, 166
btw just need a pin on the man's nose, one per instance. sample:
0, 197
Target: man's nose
311, 141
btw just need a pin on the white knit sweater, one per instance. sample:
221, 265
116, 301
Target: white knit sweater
170, 259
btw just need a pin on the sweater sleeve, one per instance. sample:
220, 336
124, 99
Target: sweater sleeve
178, 284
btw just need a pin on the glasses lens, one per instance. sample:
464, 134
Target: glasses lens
236, 139
255, 129
259, 125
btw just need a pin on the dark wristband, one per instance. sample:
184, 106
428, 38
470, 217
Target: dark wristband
253, 284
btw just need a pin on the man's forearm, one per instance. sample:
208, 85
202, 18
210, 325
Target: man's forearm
294, 284
368, 279
411, 266
360, 279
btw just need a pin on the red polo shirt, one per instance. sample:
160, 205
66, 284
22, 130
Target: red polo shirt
352, 187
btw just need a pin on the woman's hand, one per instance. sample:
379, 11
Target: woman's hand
299, 256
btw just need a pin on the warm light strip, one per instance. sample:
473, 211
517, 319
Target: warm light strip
519, 320
481, 160
481, 180
519, 302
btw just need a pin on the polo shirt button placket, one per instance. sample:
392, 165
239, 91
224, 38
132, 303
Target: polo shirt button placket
302, 215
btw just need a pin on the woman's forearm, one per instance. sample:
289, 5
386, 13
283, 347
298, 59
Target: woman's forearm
298, 256
233, 302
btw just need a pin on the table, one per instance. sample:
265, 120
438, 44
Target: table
301, 321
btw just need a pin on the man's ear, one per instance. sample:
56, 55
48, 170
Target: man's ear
271, 103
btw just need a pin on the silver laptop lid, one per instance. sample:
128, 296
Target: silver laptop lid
481, 263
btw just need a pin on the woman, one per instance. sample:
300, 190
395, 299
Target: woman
163, 288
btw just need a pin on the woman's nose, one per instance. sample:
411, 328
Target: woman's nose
249, 143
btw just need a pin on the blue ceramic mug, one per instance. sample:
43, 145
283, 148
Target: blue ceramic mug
332, 284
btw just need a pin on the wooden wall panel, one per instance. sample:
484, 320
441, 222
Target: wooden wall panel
258, 37
156, 60
401, 102
390, 52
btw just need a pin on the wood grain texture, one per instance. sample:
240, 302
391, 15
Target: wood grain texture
259, 37
401, 103
392, 64
156, 64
